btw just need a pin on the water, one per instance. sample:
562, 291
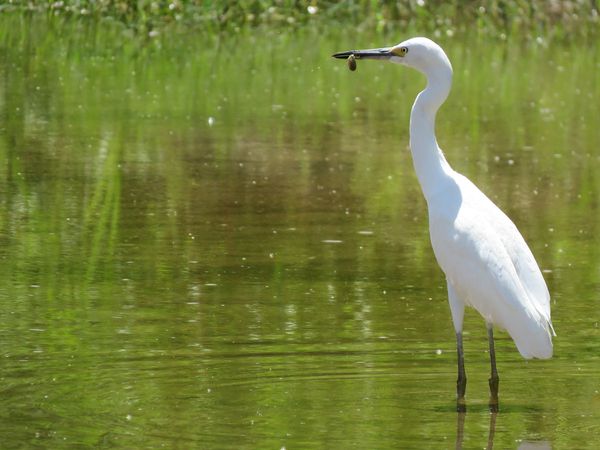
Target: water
221, 243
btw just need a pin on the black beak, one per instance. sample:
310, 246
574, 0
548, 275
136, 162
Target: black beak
373, 53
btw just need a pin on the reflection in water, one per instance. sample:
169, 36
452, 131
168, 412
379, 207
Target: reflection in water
460, 429
460, 435
492, 430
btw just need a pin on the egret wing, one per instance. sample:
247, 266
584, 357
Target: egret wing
522, 258
527, 268
472, 253
476, 263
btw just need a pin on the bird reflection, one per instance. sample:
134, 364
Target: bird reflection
460, 429
525, 445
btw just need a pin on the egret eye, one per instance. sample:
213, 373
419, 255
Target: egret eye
400, 51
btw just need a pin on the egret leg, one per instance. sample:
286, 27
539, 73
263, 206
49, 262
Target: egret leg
461, 382
457, 308
494, 379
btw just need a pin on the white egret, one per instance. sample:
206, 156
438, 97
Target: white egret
487, 263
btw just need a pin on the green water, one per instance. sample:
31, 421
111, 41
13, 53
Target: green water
220, 242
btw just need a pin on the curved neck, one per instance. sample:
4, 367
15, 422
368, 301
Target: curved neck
433, 171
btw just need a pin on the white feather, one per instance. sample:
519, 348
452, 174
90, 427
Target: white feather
489, 265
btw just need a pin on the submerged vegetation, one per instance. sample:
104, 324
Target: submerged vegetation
547, 18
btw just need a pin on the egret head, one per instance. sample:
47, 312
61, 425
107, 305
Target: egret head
419, 53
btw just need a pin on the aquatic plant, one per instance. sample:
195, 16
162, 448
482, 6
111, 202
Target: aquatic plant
493, 17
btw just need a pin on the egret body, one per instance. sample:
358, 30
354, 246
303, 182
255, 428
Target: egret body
487, 263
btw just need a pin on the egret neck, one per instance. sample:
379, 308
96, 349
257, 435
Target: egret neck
433, 171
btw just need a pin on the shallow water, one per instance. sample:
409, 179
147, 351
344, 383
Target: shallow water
207, 243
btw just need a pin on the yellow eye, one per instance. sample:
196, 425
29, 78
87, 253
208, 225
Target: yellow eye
400, 51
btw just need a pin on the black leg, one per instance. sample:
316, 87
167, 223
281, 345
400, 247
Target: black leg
461, 382
494, 379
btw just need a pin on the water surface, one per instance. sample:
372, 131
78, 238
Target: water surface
220, 242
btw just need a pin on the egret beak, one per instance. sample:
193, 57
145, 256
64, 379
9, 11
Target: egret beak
373, 53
